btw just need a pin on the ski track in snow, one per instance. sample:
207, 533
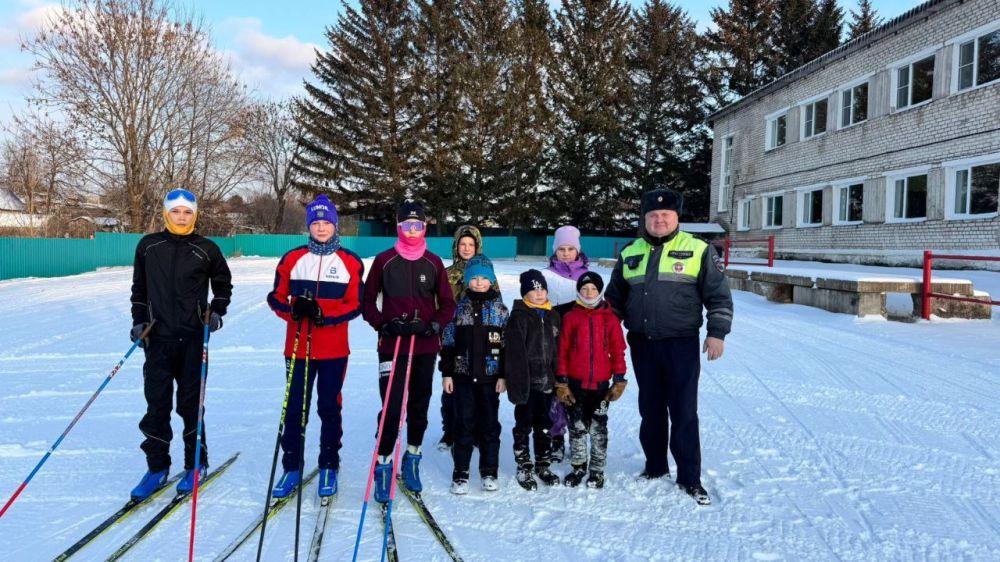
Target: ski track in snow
824, 437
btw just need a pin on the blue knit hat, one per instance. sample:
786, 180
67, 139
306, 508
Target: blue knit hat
479, 266
321, 209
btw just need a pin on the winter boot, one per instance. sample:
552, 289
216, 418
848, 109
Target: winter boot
595, 480
327, 482
525, 479
547, 476
576, 475
410, 470
150, 483
287, 484
383, 478
490, 484
697, 492
186, 485
460, 487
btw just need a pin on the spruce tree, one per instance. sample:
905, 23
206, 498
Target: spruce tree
828, 29
439, 54
794, 23
864, 20
742, 43
668, 117
591, 95
361, 131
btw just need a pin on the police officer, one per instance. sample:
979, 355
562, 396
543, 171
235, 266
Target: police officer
659, 286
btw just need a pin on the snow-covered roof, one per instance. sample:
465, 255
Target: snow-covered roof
702, 228
9, 201
100, 221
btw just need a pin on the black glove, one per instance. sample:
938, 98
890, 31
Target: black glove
415, 327
432, 329
214, 322
137, 331
306, 307
394, 328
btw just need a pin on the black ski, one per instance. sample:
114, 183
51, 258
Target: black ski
168, 509
391, 554
425, 515
276, 505
130, 507
320, 529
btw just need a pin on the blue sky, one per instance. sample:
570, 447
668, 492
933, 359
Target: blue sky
270, 42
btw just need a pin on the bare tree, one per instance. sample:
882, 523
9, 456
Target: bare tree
155, 104
272, 144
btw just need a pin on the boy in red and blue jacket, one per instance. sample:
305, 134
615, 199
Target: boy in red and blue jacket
317, 287
591, 374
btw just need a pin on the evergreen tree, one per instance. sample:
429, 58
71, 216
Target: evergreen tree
669, 111
794, 24
742, 43
361, 131
438, 61
530, 115
864, 20
828, 29
591, 95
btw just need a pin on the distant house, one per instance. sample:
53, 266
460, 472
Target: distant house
13, 215
889, 142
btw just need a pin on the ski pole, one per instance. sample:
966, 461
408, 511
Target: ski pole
197, 439
399, 440
93, 397
378, 439
306, 387
277, 441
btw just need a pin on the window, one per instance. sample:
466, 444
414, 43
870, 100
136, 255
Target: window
979, 60
744, 215
907, 198
814, 118
915, 83
772, 211
726, 182
975, 192
854, 105
849, 201
811, 203
775, 132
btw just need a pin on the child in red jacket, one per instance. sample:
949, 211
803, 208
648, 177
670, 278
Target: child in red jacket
591, 374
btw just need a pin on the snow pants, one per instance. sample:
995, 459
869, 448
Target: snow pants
477, 408
417, 402
667, 372
169, 362
532, 420
588, 417
328, 376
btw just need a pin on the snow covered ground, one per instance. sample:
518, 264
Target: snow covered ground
824, 437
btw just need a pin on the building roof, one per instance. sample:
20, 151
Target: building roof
100, 221
702, 228
892, 27
9, 201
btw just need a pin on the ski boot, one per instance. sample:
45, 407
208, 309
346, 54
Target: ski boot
327, 482
186, 485
286, 484
150, 483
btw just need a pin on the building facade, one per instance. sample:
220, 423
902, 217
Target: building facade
890, 142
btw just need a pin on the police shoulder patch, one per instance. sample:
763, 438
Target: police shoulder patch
718, 263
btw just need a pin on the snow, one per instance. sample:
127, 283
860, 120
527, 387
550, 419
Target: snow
824, 438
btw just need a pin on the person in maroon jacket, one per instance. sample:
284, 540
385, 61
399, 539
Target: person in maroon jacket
591, 373
416, 301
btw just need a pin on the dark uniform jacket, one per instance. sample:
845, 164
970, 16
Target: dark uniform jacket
170, 283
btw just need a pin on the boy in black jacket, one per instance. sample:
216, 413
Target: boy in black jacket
170, 280
531, 357
470, 362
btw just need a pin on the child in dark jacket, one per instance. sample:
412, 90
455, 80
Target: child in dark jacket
470, 363
531, 355
591, 374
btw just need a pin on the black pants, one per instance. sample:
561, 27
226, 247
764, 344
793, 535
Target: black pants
169, 362
667, 372
588, 416
417, 402
532, 419
448, 417
329, 377
477, 407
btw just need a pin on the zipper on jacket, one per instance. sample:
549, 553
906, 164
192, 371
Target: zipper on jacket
590, 318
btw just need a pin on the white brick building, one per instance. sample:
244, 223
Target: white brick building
890, 142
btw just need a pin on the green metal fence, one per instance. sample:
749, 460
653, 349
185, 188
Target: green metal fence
55, 257
597, 247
